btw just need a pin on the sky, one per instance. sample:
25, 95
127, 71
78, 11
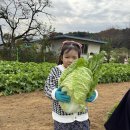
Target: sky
89, 15
85, 15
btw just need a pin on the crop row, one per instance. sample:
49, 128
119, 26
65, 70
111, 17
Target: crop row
16, 77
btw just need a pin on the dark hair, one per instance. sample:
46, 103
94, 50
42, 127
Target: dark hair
68, 46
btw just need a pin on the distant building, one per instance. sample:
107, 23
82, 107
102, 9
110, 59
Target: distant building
88, 45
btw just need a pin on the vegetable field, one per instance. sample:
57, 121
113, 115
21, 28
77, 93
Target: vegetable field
32, 111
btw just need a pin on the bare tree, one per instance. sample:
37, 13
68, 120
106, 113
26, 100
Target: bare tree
23, 19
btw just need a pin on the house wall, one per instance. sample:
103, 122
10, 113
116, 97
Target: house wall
94, 48
56, 46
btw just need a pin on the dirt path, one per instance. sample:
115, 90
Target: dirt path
32, 111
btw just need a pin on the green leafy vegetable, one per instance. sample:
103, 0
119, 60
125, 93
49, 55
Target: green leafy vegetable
79, 81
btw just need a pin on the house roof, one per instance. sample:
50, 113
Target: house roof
71, 37
79, 38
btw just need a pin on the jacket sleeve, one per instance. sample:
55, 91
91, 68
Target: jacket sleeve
51, 84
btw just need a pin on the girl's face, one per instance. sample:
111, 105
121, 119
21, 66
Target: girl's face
69, 57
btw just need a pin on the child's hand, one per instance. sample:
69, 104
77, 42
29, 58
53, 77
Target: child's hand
61, 96
93, 97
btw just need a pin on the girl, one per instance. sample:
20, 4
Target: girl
70, 51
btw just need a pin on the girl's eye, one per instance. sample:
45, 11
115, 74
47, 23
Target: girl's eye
74, 57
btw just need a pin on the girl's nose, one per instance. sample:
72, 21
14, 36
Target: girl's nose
70, 60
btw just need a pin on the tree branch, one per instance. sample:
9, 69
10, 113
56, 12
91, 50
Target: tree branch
1, 33
23, 10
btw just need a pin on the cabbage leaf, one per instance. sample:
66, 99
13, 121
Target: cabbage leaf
79, 80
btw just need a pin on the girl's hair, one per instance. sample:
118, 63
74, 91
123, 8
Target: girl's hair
68, 46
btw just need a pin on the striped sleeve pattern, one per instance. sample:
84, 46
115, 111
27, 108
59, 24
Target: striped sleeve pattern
52, 81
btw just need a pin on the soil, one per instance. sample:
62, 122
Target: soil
32, 111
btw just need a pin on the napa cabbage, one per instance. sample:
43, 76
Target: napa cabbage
79, 80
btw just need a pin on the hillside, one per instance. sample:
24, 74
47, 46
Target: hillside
118, 37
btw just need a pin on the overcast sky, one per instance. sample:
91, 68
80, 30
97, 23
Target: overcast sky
87, 15
90, 15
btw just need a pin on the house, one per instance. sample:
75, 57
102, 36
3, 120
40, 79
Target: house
89, 46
